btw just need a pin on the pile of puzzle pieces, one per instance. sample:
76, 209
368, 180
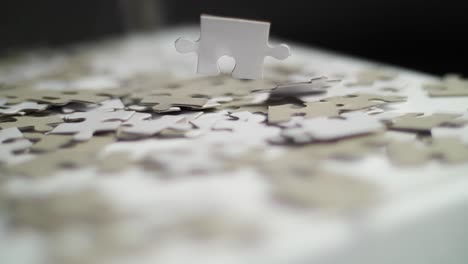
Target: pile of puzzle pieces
289, 130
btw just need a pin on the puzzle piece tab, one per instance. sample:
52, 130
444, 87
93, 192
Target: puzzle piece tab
244, 40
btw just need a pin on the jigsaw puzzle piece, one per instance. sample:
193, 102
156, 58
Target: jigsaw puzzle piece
21, 108
359, 101
52, 97
35, 123
419, 123
449, 150
244, 40
283, 113
369, 77
91, 123
450, 85
326, 129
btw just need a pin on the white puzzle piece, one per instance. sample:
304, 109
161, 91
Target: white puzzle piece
244, 40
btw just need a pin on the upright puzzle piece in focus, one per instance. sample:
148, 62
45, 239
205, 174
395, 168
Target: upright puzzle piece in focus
244, 40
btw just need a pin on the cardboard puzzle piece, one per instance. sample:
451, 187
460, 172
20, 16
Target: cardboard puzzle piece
283, 113
326, 129
362, 100
448, 150
17, 96
47, 142
450, 85
244, 40
369, 77
21, 108
91, 123
34, 123
317, 85
420, 123
11, 141
79, 155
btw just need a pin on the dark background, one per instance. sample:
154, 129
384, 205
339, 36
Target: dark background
426, 35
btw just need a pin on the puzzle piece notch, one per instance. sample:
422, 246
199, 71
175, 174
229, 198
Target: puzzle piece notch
450, 85
92, 122
244, 40
446, 149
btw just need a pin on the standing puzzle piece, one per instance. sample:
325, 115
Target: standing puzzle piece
94, 121
449, 150
417, 122
244, 40
362, 100
282, 113
451, 85
36, 123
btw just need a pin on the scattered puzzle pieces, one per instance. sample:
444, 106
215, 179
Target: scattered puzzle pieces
91, 123
450, 85
314, 86
16, 96
47, 142
222, 36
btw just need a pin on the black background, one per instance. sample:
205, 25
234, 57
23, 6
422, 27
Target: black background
426, 35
